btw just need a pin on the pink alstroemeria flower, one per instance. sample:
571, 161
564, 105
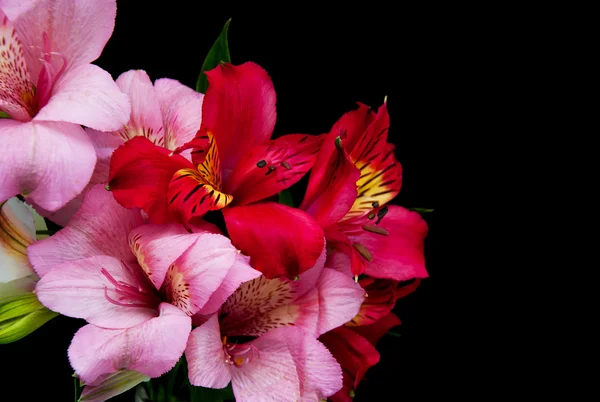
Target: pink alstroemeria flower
284, 361
234, 164
48, 90
355, 175
136, 285
167, 113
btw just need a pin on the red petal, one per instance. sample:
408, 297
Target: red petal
239, 108
139, 177
336, 191
280, 240
199, 145
374, 332
354, 354
380, 300
390, 243
271, 167
405, 289
349, 128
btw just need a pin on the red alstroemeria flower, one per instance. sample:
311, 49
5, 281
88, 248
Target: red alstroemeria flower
234, 164
355, 175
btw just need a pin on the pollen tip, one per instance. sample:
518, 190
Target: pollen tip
296, 277
352, 393
171, 154
338, 142
385, 100
107, 188
356, 278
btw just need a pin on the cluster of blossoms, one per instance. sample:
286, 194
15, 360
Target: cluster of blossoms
285, 303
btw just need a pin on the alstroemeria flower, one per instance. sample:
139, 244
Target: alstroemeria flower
136, 286
233, 164
48, 90
166, 112
20, 311
263, 339
355, 175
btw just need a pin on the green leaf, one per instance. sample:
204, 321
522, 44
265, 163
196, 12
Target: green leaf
421, 210
394, 334
285, 197
219, 52
200, 394
3, 115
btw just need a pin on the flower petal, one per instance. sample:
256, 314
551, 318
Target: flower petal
239, 108
336, 191
354, 354
140, 173
82, 288
100, 227
50, 163
17, 231
145, 119
271, 167
205, 356
198, 272
380, 301
16, 95
77, 30
393, 240
151, 348
108, 385
181, 109
262, 231
87, 95
374, 332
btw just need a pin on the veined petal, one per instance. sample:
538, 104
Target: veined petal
17, 231
100, 227
354, 354
198, 272
49, 163
108, 385
151, 348
335, 193
16, 89
140, 173
390, 242
262, 231
77, 30
181, 109
205, 356
87, 95
271, 167
145, 119
239, 108
88, 289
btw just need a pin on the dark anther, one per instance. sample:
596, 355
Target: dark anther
375, 204
261, 163
286, 165
381, 213
371, 215
376, 229
270, 170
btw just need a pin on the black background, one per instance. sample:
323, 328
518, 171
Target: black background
320, 66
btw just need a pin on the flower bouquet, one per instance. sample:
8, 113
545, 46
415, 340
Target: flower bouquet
161, 215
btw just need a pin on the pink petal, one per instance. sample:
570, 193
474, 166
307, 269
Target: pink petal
262, 231
145, 119
272, 167
80, 289
205, 356
240, 272
16, 96
336, 191
78, 30
181, 109
87, 95
239, 109
289, 366
151, 348
199, 272
158, 246
397, 255
100, 227
17, 231
50, 163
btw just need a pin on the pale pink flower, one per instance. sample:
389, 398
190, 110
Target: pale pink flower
48, 90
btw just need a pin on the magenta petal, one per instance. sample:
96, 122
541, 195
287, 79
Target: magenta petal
181, 109
151, 348
87, 95
77, 30
50, 163
80, 289
100, 227
205, 356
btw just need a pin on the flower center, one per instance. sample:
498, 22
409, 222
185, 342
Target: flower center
239, 354
177, 290
127, 295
